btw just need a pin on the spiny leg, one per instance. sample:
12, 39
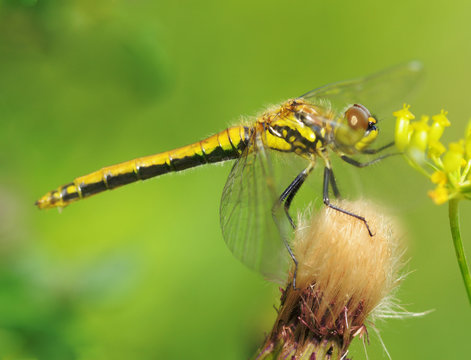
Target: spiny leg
333, 185
359, 164
286, 199
287, 196
375, 151
327, 175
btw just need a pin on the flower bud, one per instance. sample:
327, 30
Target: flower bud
419, 138
467, 141
440, 121
435, 149
403, 131
453, 158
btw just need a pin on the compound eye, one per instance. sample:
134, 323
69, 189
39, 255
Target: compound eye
358, 117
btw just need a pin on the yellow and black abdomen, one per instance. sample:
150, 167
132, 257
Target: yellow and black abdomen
226, 145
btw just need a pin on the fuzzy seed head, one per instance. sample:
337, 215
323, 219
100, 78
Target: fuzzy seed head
344, 276
352, 270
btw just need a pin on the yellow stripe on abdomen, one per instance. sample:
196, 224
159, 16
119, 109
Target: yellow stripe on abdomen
226, 145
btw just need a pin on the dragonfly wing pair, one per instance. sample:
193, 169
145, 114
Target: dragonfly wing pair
381, 93
246, 212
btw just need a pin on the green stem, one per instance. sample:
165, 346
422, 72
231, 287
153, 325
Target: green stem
456, 235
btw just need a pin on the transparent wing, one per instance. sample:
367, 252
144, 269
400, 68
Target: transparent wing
246, 218
381, 93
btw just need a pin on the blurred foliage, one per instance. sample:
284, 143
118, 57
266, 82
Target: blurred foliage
143, 272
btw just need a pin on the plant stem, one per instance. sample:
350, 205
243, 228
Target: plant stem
456, 235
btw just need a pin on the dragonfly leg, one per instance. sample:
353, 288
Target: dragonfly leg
333, 185
286, 198
327, 175
375, 151
359, 164
288, 195
285, 240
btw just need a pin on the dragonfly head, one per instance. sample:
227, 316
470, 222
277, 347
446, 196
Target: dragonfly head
357, 128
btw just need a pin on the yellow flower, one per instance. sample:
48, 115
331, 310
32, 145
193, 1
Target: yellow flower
439, 195
420, 143
439, 177
449, 169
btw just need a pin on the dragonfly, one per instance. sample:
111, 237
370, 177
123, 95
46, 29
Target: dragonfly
332, 119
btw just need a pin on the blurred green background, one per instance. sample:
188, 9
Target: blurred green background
143, 272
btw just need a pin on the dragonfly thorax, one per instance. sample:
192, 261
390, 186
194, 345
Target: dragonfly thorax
299, 127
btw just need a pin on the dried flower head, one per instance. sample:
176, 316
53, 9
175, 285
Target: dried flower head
344, 276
